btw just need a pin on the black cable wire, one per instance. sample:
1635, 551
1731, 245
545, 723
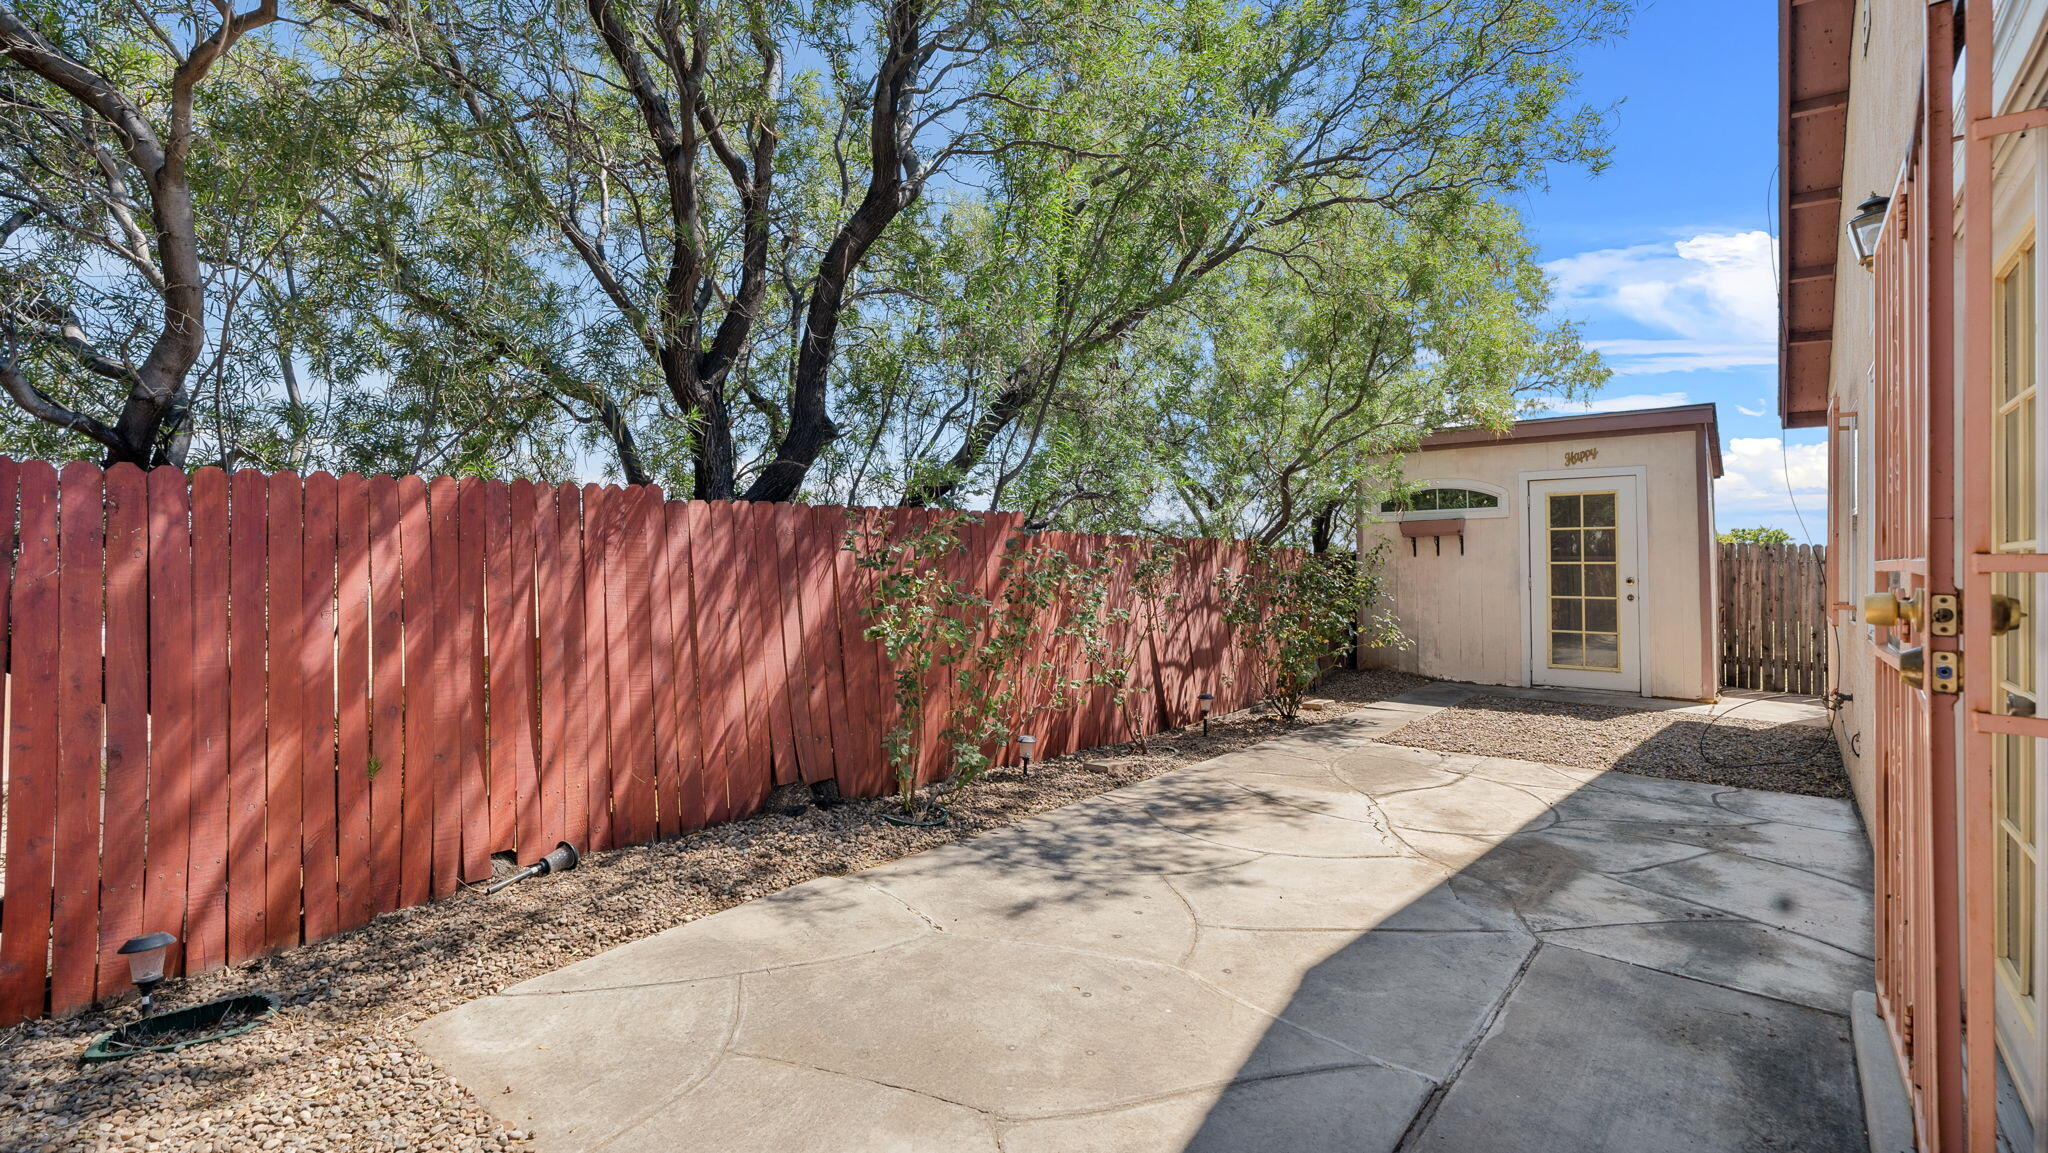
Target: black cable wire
1700, 746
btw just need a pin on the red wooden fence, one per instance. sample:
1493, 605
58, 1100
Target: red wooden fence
258, 710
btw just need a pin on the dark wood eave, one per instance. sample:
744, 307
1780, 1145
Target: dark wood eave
1814, 38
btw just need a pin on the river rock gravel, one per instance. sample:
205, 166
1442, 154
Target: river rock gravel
334, 1070
1729, 749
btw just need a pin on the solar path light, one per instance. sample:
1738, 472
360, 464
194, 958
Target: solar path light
146, 963
1026, 745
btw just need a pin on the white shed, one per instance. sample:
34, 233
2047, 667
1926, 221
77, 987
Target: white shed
1571, 550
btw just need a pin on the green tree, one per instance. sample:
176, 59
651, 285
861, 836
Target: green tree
1756, 536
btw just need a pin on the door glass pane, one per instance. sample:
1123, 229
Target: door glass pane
1600, 616
1602, 651
1600, 509
1565, 613
1564, 510
1599, 544
1564, 579
1565, 545
2013, 758
1564, 650
1600, 580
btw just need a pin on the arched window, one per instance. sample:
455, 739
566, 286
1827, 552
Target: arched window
1441, 499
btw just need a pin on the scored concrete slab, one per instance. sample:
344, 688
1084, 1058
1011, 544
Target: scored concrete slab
829, 917
1044, 1030
1323, 943
1399, 997
1594, 1055
1357, 1110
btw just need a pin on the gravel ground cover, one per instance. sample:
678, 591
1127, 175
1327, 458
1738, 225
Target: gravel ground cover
1728, 750
334, 1071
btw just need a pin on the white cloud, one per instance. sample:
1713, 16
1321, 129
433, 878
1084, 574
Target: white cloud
1633, 400
1713, 295
1763, 405
1764, 475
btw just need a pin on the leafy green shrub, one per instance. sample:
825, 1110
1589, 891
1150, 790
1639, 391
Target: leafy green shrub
1298, 613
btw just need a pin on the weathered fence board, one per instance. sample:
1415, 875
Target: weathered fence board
1773, 618
258, 710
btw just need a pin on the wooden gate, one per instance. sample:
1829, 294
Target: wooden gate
1774, 617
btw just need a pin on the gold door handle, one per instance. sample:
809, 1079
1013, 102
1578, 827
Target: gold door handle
1888, 608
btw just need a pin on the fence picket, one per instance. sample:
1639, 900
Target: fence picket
165, 633
388, 648
317, 784
352, 783
32, 754
472, 788
74, 916
206, 869
126, 823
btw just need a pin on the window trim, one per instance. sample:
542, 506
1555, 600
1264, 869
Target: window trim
1500, 509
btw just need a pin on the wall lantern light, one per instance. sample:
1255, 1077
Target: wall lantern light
1208, 701
1866, 226
1026, 745
146, 962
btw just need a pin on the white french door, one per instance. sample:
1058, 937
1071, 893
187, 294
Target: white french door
1585, 587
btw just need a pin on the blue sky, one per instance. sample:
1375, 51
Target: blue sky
1667, 256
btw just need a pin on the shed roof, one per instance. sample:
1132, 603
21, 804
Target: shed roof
1699, 417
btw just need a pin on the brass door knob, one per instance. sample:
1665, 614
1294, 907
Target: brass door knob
1881, 609
2006, 614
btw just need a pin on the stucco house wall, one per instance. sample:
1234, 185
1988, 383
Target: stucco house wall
1467, 617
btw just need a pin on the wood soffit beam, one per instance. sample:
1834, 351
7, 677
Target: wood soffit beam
1814, 105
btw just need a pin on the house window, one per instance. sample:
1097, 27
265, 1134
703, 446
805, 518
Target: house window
1441, 499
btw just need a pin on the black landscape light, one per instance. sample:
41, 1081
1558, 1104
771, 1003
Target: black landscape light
1866, 226
146, 962
1026, 745
1208, 705
179, 1029
561, 859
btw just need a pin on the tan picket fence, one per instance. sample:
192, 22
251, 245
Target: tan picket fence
1774, 618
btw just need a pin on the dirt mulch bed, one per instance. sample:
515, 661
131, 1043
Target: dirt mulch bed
334, 1071
1729, 750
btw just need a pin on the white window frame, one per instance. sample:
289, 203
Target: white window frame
1498, 511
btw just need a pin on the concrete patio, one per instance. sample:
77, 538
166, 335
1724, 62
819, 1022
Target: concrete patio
1322, 943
